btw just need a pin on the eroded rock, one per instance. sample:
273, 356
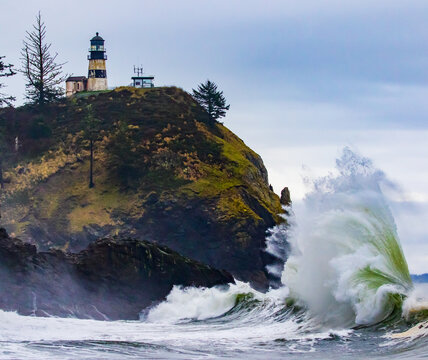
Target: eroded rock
112, 279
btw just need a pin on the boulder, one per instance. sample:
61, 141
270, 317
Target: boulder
285, 198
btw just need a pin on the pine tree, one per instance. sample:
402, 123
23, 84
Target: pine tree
4, 152
211, 100
43, 74
126, 158
5, 71
91, 133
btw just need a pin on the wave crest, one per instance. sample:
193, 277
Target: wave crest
346, 262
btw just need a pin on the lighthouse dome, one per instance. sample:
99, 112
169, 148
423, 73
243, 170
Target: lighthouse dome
97, 38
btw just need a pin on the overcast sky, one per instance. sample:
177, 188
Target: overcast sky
304, 78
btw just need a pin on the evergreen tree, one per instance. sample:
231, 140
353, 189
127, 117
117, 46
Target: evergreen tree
43, 74
4, 152
211, 100
5, 71
125, 163
91, 133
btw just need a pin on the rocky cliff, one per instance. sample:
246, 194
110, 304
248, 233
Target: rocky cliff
111, 279
163, 172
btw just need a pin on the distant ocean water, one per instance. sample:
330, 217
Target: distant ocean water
423, 278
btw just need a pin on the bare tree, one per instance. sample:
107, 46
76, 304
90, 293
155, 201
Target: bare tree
5, 71
39, 66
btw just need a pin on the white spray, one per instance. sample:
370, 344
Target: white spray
346, 260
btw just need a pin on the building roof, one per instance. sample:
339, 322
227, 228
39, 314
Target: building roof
143, 77
76, 78
97, 37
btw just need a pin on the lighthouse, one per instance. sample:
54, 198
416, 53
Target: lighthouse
97, 74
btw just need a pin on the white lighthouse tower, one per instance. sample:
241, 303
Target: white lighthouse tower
97, 74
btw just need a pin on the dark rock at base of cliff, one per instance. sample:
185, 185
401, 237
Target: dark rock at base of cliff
192, 228
112, 279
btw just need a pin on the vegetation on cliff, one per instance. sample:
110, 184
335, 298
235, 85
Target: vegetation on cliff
6, 70
211, 99
163, 171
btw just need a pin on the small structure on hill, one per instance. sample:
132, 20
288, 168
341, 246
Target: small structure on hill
141, 81
97, 74
75, 84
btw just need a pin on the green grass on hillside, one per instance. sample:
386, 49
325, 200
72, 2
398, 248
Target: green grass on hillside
151, 141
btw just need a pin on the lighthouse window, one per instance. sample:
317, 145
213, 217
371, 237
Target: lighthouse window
100, 73
97, 74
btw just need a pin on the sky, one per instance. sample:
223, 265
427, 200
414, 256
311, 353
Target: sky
304, 78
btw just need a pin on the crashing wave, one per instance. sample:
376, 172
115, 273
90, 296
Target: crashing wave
346, 262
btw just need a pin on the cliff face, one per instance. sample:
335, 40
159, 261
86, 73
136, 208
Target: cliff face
111, 279
163, 172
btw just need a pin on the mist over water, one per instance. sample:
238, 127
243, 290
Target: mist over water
345, 291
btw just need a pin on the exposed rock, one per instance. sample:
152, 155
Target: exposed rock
285, 197
111, 279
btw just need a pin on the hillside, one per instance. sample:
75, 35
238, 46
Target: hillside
163, 172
